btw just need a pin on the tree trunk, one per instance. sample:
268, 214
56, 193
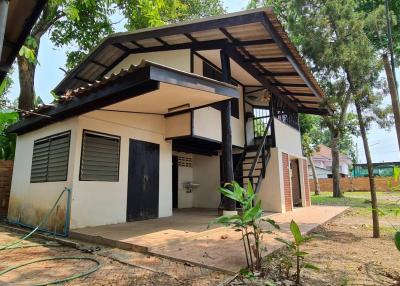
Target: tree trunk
393, 95
27, 83
335, 163
374, 203
317, 188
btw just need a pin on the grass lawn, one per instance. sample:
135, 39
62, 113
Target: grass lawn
388, 202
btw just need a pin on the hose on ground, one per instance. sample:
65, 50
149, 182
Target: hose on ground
15, 245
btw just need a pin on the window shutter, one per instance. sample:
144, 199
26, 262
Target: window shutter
50, 158
58, 158
100, 157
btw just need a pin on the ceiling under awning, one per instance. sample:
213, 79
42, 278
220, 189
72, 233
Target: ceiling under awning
21, 16
147, 88
255, 41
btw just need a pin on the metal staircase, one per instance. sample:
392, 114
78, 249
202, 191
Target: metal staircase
253, 162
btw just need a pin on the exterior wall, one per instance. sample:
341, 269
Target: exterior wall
108, 200
29, 202
6, 168
271, 191
276, 189
206, 173
287, 138
355, 184
178, 59
185, 174
306, 183
179, 125
321, 173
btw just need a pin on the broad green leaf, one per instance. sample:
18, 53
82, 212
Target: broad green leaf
311, 266
253, 213
288, 243
397, 240
294, 228
226, 220
250, 191
229, 194
272, 222
301, 253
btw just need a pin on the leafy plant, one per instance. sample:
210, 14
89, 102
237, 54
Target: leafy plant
294, 247
7, 140
248, 222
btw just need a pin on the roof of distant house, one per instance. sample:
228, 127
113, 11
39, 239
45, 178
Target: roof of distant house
324, 152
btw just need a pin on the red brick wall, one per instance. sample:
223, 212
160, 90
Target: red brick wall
306, 183
286, 182
354, 184
6, 168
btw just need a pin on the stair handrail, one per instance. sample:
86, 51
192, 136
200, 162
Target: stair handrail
261, 147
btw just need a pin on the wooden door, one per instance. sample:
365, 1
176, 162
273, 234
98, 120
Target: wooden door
296, 188
143, 180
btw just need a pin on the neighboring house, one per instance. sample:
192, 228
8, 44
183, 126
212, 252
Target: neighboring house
141, 124
323, 163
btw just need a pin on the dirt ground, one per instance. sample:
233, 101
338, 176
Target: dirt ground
346, 253
118, 267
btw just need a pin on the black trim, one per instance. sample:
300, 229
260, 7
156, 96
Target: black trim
140, 81
28, 24
104, 135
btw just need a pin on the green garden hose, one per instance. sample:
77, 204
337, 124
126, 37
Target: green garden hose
87, 272
16, 243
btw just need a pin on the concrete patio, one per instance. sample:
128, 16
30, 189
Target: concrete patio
185, 236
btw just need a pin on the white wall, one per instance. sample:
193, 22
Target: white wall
271, 191
29, 202
287, 138
178, 59
206, 173
185, 174
98, 203
179, 125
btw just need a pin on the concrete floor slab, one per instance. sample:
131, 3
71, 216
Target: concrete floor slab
185, 236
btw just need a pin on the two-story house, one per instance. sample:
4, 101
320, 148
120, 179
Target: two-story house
156, 119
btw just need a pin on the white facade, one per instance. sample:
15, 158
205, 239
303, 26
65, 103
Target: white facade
98, 202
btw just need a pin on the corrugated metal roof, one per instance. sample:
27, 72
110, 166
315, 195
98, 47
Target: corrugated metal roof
255, 36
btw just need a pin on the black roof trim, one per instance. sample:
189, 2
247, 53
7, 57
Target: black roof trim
130, 83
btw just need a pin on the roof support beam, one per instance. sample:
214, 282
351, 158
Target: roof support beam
267, 60
279, 41
237, 57
284, 84
83, 79
274, 74
99, 64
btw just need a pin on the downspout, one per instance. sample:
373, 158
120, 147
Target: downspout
3, 20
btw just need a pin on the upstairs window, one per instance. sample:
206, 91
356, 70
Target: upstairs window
100, 157
50, 158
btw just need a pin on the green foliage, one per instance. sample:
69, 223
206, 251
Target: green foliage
376, 25
248, 222
294, 247
7, 141
397, 240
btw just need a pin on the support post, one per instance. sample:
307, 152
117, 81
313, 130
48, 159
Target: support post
3, 20
227, 160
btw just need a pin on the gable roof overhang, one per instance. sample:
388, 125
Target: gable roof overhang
254, 39
148, 88
21, 16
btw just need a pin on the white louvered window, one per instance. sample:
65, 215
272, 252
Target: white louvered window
50, 158
100, 157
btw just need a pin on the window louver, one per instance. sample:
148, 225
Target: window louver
100, 157
50, 158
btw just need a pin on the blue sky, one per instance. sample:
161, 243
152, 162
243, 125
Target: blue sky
48, 74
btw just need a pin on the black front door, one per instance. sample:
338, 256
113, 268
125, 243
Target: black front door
143, 176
